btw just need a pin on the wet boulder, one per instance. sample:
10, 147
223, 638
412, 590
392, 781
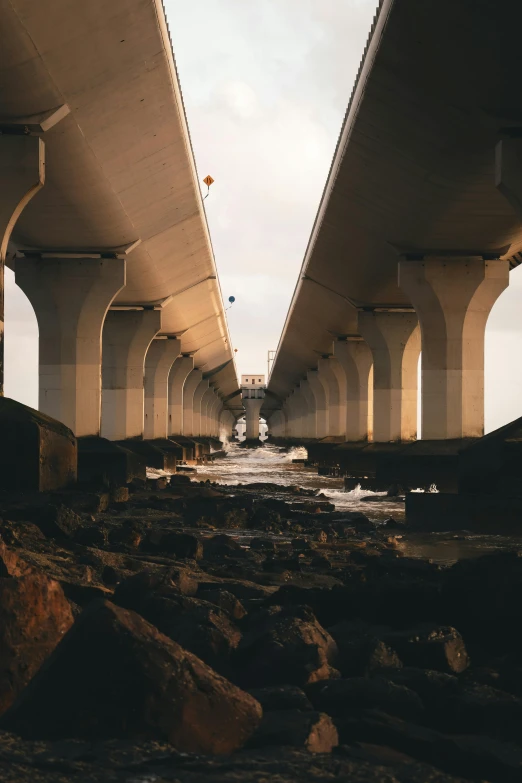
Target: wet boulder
57, 521
34, 616
225, 600
167, 580
180, 545
312, 731
282, 697
127, 536
285, 645
116, 676
93, 535
362, 651
341, 697
431, 647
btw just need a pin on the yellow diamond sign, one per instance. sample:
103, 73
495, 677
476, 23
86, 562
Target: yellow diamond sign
208, 181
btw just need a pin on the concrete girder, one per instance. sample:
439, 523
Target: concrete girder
127, 335
71, 297
394, 340
160, 357
453, 298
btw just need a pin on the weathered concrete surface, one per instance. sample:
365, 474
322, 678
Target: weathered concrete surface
70, 297
36, 452
103, 461
158, 363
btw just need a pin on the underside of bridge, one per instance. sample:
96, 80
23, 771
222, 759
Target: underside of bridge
418, 227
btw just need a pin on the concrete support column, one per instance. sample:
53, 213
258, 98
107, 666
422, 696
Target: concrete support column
355, 360
227, 423
206, 401
252, 409
453, 298
394, 340
333, 381
22, 174
192, 382
179, 371
70, 297
309, 418
321, 404
160, 357
215, 410
199, 392
127, 335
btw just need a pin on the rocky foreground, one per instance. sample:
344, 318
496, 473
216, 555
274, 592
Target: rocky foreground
139, 643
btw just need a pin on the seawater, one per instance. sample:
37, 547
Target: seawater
270, 464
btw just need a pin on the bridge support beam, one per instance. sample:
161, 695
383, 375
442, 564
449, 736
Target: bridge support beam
160, 357
332, 378
197, 407
192, 382
453, 298
206, 400
179, 371
70, 297
394, 340
127, 335
252, 409
355, 359
309, 424
321, 404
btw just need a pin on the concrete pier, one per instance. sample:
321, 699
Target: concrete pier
453, 297
394, 340
191, 384
127, 335
70, 297
160, 357
354, 357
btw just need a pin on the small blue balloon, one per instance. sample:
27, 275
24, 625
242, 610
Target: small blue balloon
231, 299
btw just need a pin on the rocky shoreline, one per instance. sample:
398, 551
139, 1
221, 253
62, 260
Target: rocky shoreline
191, 632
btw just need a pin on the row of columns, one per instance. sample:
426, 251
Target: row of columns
143, 387
367, 388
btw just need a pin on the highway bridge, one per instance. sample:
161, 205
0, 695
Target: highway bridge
417, 230
102, 219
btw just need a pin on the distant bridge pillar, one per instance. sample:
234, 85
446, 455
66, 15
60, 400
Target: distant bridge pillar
309, 427
321, 403
354, 357
160, 357
252, 408
332, 378
394, 340
197, 405
127, 335
179, 371
70, 297
192, 382
453, 298
206, 401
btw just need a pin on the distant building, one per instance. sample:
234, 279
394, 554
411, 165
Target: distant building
253, 381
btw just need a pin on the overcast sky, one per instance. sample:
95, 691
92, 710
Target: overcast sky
265, 86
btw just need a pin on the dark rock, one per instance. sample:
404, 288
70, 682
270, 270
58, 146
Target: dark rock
262, 545
128, 535
282, 697
181, 545
337, 697
114, 675
441, 648
221, 546
361, 651
92, 535
313, 731
57, 521
131, 591
225, 600
34, 615
286, 646
179, 479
